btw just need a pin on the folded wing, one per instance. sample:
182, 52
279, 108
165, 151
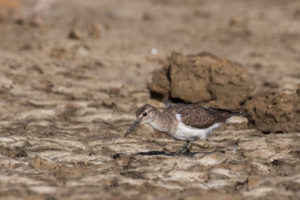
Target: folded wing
200, 117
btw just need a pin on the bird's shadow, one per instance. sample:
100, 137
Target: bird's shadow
156, 153
164, 153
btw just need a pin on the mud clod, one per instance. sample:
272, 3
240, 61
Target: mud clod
202, 78
277, 112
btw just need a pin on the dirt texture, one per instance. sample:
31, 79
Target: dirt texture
275, 112
203, 78
73, 72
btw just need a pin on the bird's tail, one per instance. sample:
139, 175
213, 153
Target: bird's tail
241, 113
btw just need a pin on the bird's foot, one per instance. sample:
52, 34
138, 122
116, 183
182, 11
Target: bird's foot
205, 145
184, 149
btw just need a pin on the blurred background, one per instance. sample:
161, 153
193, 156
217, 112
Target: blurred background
73, 72
261, 35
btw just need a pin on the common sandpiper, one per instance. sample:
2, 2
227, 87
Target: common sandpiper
184, 122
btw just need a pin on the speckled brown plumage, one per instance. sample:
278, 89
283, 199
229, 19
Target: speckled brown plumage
197, 116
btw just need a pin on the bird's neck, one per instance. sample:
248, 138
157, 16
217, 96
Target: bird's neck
160, 123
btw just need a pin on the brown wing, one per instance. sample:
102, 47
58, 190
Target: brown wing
202, 117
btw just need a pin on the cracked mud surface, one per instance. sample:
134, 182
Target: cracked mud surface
69, 88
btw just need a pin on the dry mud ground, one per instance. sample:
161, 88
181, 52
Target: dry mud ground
72, 76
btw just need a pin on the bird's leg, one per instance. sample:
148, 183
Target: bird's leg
184, 148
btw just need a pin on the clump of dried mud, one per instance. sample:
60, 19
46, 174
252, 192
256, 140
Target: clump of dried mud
275, 112
205, 78
202, 78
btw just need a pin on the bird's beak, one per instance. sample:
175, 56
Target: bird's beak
133, 126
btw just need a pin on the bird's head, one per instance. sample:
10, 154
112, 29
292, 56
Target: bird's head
144, 115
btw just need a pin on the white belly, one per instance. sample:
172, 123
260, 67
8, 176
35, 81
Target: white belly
185, 132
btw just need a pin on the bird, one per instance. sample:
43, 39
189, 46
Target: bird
184, 122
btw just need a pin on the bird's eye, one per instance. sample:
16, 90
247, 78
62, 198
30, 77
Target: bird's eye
144, 114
